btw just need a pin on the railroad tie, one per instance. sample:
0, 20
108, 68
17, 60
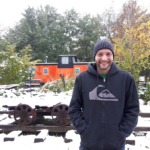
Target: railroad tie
11, 136
41, 136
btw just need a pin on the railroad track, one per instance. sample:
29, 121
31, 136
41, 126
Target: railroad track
33, 141
50, 128
41, 132
45, 130
34, 128
11, 131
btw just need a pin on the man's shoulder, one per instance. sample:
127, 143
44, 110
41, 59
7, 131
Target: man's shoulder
123, 72
126, 73
82, 74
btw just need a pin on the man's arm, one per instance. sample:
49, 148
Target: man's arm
131, 109
75, 108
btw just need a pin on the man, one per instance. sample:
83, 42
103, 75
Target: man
104, 107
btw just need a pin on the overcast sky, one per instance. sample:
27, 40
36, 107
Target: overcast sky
10, 10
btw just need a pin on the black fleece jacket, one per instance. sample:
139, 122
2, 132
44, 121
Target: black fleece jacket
104, 112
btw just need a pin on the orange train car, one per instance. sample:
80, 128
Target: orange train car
66, 66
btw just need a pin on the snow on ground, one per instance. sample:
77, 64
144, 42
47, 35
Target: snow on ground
42, 99
52, 142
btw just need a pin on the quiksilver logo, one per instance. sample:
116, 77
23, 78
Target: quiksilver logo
101, 94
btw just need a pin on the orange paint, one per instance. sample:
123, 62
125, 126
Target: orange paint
67, 66
54, 72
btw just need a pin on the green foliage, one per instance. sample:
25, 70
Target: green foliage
57, 86
41, 29
52, 34
69, 84
146, 94
90, 30
15, 66
68, 27
2, 43
132, 47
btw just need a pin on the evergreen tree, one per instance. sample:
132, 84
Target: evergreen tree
15, 65
2, 43
37, 29
51, 34
90, 30
70, 29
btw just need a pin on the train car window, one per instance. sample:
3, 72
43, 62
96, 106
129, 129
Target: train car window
73, 59
65, 60
45, 71
77, 70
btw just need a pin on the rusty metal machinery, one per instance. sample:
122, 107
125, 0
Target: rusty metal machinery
60, 115
26, 115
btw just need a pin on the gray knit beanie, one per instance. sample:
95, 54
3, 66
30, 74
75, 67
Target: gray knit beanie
102, 44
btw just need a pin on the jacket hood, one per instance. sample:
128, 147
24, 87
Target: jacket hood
113, 70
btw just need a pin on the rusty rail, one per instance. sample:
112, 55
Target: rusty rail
51, 128
7, 112
146, 115
36, 127
3, 112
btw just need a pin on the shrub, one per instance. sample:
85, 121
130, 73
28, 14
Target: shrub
58, 85
16, 65
145, 96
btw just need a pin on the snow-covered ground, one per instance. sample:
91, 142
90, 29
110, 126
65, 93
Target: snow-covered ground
52, 142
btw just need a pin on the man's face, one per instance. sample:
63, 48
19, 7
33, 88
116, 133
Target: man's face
103, 59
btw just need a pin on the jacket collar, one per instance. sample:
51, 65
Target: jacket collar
113, 70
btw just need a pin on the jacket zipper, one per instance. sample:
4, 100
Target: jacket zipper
104, 80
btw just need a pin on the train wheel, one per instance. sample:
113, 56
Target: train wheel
60, 115
24, 114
